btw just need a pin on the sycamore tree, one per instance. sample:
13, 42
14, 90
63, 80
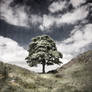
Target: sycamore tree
42, 50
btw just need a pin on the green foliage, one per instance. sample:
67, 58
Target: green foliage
42, 50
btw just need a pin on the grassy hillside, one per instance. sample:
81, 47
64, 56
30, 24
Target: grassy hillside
75, 76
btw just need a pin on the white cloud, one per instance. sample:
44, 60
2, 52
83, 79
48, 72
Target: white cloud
48, 21
77, 3
17, 15
57, 6
13, 16
35, 19
80, 38
11, 52
73, 17
77, 42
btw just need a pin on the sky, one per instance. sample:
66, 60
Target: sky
68, 22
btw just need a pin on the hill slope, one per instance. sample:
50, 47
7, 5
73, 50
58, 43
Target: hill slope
75, 76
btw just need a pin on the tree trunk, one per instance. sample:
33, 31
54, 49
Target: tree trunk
43, 66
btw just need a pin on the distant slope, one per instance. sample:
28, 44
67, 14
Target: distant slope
75, 76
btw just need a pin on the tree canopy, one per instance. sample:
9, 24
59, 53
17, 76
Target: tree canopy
42, 50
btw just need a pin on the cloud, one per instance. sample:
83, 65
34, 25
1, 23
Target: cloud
57, 6
20, 15
77, 3
17, 15
73, 17
13, 16
79, 39
35, 19
48, 21
11, 52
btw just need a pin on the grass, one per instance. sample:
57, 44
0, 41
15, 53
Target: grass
73, 77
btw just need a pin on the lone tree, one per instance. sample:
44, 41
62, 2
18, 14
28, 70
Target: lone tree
42, 50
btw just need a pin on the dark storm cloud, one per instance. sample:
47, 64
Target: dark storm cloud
42, 13
27, 12
34, 6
